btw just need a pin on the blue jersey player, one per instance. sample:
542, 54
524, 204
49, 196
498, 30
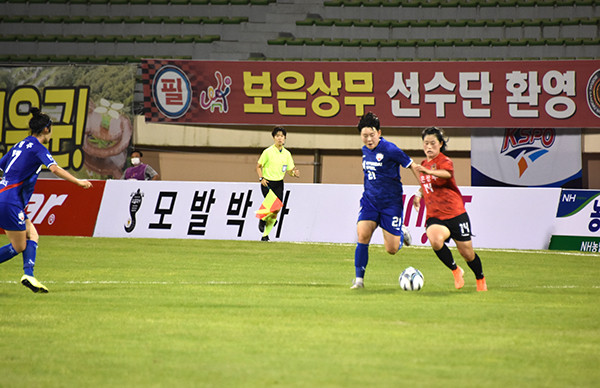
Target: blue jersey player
20, 168
381, 202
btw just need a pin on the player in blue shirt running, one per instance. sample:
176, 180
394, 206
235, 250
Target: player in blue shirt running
21, 167
381, 202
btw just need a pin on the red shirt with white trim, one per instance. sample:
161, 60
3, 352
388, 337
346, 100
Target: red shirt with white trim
443, 199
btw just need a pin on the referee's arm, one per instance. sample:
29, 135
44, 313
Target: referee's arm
261, 179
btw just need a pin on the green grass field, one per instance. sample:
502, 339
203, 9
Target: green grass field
192, 313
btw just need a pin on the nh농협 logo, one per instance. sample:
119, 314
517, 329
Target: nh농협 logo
171, 91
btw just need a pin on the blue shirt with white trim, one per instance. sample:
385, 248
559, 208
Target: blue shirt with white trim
381, 167
21, 167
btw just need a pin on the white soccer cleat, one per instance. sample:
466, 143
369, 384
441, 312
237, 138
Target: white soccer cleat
357, 284
407, 237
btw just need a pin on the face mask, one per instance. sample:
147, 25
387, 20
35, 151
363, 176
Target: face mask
135, 161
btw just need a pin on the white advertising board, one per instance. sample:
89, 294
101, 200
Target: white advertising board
500, 217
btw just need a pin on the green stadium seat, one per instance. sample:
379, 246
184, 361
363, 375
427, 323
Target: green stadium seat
400, 23
362, 23
438, 23
213, 20
153, 19
381, 23
281, 41
500, 42
323, 22
427, 42
295, 42
145, 39
536, 42
313, 42
406, 42
388, 43
457, 23
305, 22
368, 42
555, 42
165, 39
343, 23
133, 20
193, 20
333, 42
419, 23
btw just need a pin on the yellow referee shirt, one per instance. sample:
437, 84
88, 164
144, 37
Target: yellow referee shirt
275, 163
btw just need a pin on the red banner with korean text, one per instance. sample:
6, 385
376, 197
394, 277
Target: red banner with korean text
403, 94
60, 208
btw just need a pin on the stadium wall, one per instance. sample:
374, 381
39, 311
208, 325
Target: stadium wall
229, 153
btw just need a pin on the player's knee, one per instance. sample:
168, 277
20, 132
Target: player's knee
392, 250
468, 256
19, 247
436, 244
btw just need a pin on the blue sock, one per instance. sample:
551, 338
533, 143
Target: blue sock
361, 258
7, 252
29, 255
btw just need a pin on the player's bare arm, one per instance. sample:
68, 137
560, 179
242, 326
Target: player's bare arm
61, 173
444, 174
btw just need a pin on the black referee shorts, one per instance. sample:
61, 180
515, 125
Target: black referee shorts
276, 186
459, 226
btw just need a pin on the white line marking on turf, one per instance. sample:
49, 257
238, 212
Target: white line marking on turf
228, 283
506, 250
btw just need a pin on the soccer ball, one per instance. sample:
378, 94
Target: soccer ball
411, 279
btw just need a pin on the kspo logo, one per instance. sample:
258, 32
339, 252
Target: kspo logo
39, 207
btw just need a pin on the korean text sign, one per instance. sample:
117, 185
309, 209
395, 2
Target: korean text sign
403, 94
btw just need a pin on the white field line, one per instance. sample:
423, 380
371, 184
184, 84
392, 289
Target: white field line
226, 283
536, 251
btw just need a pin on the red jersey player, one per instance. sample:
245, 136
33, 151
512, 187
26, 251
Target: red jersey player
446, 215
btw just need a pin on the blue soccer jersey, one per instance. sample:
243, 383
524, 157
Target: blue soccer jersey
381, 166
21, 167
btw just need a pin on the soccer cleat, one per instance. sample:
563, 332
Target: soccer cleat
264, 238
33, 284
357, 284
481, 286
261, 225
459, 281
407, 237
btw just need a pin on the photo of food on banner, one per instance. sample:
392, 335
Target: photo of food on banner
107, 136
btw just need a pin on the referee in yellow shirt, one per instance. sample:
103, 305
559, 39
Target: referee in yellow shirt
272, 165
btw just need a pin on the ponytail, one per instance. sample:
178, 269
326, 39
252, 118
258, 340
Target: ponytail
39, 121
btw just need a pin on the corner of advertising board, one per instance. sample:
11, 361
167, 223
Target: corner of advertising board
575, 243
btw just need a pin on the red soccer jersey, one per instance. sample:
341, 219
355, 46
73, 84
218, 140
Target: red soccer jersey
443, 199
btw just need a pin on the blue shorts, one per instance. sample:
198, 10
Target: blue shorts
12, 217
390, 219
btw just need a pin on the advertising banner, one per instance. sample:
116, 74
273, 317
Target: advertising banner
60, 208
577, 224
528, 157
91, 108
500, 217
506, 94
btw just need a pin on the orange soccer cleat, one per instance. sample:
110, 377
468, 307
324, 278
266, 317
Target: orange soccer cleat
481, 286
459, 281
